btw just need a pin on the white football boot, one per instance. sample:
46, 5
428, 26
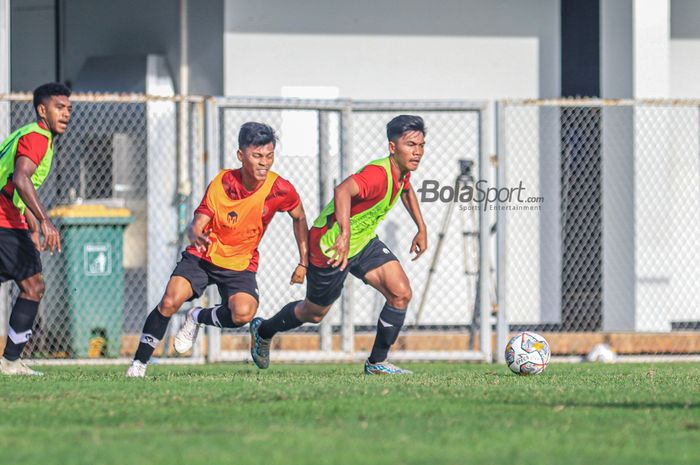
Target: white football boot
136, 370
17, 368
184, 339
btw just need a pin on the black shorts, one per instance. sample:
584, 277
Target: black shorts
19, 258
324, 285
201, 273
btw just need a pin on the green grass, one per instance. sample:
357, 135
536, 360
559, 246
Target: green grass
332, 414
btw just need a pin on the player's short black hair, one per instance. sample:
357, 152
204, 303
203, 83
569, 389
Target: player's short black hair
402, 124
49, 90
256, 134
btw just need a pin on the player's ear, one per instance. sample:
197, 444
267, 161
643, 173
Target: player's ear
392, 147
41, 110
239, 155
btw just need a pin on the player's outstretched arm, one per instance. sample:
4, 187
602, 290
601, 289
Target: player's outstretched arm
342, 196
420, 241
301, 234
22, 178
195, 232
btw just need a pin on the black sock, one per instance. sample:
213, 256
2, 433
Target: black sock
284, 320
216, 316
153, 331
388, 328
21, 323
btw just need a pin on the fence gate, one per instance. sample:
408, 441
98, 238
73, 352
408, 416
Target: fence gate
321, 143
610, 254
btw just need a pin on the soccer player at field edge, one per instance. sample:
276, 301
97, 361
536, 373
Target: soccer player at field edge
227, 227
343, 240
25, 163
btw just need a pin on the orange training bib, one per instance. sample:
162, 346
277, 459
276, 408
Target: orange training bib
237, 227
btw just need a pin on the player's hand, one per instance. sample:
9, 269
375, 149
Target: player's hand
419, 244
52, 240
339, 252
200, 241
298, 275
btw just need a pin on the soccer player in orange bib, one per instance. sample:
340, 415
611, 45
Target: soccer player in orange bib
224, 234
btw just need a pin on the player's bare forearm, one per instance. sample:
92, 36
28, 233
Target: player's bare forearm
338, 252
31, 221
195, 232
410, 201
22, 179
301, 233
420, 242
34, 229
342, 197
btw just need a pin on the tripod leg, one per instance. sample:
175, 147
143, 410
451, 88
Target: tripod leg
470, 248
433, 262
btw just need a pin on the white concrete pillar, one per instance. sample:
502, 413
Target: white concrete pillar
635, 52
4, 46
5, 301
4, 65
162, 243
652, 48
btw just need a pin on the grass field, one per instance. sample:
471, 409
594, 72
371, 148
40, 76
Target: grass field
332, 414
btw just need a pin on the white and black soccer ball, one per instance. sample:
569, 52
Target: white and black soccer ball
527, 353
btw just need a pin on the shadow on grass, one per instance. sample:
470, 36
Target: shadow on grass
633, 405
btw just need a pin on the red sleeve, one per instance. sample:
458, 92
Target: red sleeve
288, 198
371, 181
32, 146
203, 208
407, 182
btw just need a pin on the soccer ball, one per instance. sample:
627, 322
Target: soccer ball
527, 353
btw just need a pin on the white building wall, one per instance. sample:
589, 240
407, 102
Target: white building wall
685, 49
371, 49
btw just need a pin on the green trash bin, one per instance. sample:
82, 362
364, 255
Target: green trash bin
84, 305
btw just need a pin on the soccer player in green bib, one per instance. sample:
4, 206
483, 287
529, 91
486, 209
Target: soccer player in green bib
25, 162
343, 240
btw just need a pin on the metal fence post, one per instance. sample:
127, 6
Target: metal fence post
347, 300
5, 289
213, 158
213, 164
501, 321
324, 186
484, 242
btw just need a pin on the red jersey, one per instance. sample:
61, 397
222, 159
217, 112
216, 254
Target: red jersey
32, 146
283, 197
372, 184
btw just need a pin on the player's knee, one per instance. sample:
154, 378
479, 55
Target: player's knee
401, 296
169, 305
312, 315
243, 315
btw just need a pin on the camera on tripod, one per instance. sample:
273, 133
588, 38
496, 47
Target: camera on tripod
465, 166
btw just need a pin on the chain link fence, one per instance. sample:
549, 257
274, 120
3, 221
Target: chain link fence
610, 255
113, 193
126, 181
597, 214
321, 143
